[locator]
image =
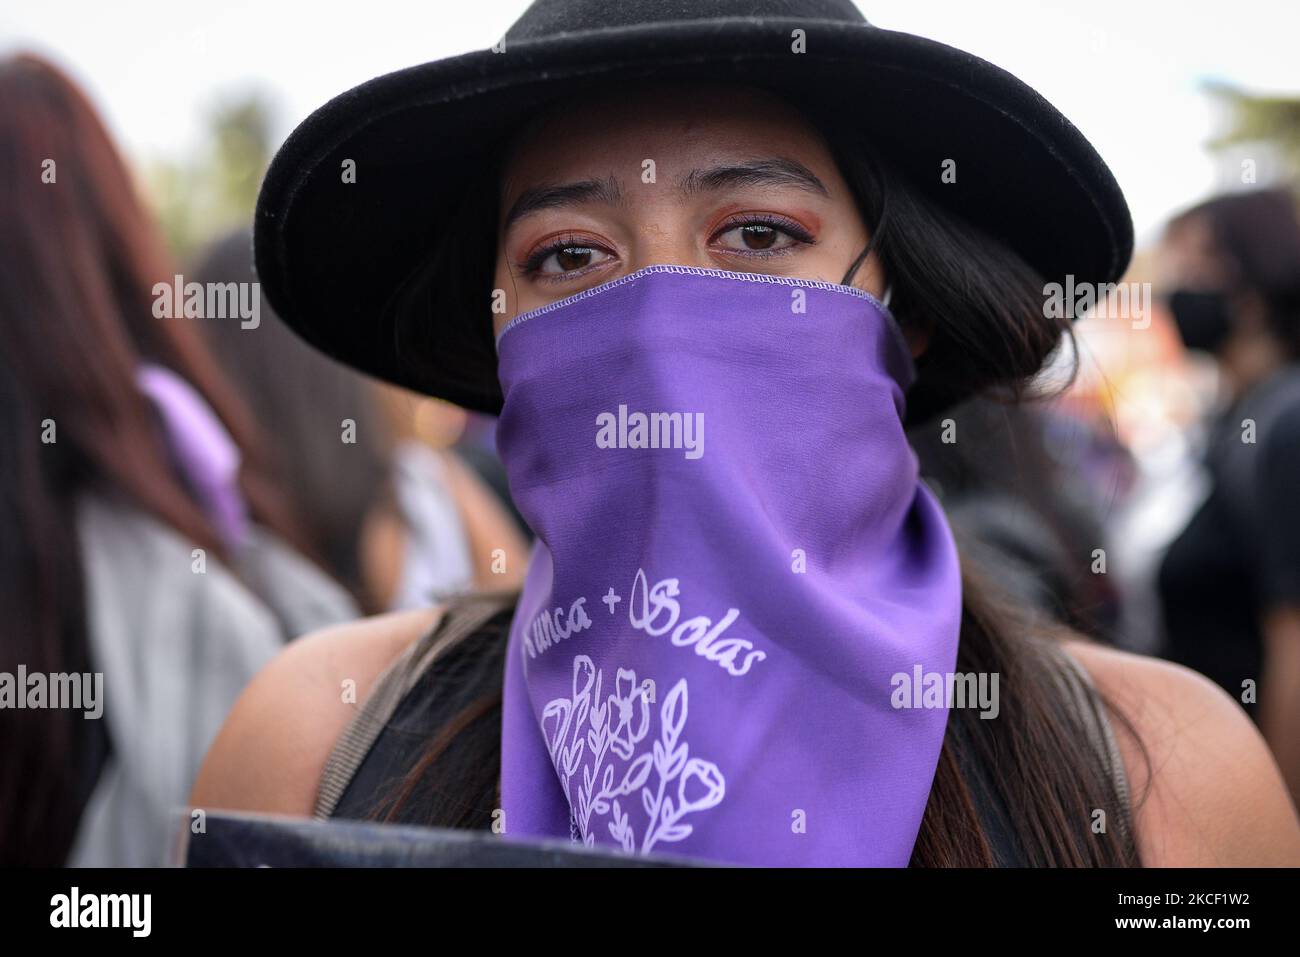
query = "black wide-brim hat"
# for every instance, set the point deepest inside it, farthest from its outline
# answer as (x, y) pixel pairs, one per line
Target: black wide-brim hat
(331, 254)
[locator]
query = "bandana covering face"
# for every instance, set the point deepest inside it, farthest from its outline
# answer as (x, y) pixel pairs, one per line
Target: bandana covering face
(735, 559)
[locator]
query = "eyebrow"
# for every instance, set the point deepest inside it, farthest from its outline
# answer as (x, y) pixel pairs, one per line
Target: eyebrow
(765, 172)
(606, 191)
(775, 171)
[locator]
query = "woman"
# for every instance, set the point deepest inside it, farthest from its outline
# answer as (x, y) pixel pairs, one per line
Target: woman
(708, 290)
(143, 539)
(1230, 583)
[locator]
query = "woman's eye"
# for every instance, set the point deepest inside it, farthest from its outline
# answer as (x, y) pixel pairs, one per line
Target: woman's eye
(758, 237)
(568, 258)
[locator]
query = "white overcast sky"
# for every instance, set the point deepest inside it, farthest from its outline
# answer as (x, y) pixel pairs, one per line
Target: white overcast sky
(1126, 72)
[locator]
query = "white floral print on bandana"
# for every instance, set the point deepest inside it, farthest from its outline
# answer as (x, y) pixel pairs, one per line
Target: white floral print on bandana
(616, 765)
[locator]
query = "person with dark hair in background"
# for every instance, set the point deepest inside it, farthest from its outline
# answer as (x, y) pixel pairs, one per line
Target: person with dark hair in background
(1230, 583)
(399, 523)
(144, 538)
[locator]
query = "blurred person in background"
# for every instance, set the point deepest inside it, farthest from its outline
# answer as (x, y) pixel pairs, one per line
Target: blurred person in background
(144, 537)
(396, 517)
(443, 487)
(1230, 583)
(477, 447)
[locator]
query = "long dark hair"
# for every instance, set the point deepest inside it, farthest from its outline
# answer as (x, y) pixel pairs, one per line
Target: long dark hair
(78, 260)
(984, 306)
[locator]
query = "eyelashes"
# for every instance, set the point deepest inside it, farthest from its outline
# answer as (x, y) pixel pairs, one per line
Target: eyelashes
(583, 253)
(533, 263)
(770, 221)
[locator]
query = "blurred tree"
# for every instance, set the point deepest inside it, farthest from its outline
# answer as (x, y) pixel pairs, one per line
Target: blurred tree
(241, 134)
(215, 191)
(1271, 119)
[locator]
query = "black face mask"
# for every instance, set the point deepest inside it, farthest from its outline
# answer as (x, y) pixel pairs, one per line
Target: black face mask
(1203, 318)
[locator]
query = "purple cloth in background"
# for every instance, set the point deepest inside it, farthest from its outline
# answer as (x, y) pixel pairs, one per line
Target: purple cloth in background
(807, 564)
(206, 455)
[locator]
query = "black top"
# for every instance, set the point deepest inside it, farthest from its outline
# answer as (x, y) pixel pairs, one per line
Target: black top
(458, 669)
(1239, 556)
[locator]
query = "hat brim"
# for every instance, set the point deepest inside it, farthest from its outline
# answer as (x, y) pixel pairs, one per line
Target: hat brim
(330, 253)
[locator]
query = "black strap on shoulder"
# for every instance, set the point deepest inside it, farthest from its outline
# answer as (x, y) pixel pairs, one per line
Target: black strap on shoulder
(462, 619)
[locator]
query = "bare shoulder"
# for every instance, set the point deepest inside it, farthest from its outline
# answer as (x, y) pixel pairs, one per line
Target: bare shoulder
(271, 751)
(1205, 787)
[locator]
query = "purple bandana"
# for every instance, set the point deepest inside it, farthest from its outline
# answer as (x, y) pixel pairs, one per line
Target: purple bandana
(706, 657)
